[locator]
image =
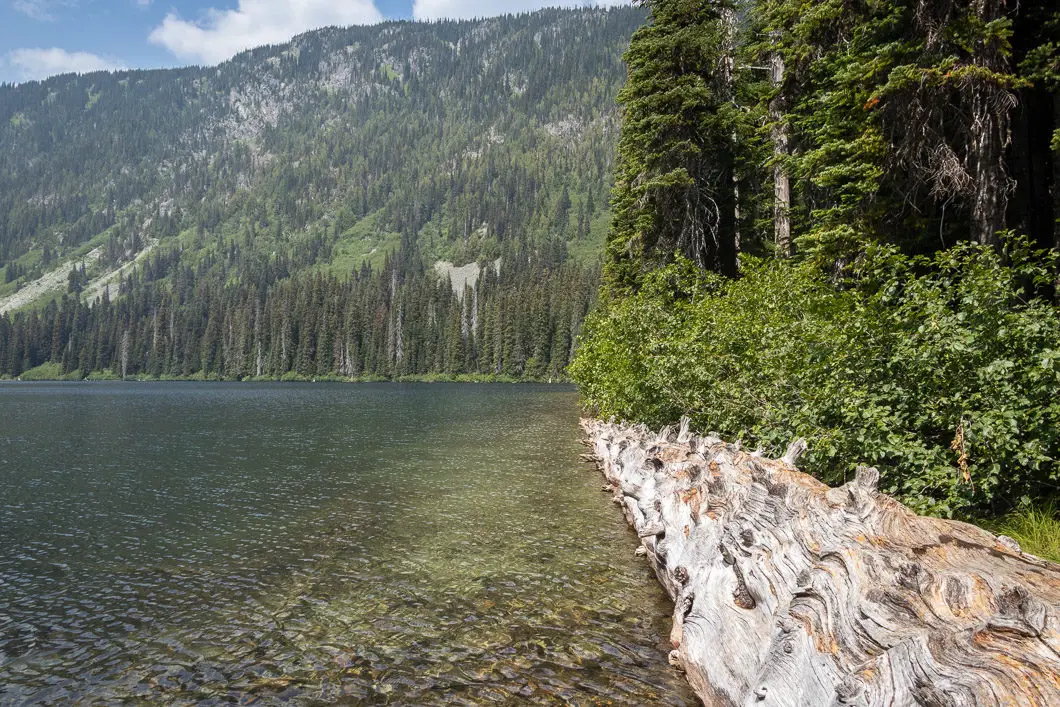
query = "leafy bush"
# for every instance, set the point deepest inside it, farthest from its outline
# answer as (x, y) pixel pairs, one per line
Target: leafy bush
(944, 373)
(44, 372)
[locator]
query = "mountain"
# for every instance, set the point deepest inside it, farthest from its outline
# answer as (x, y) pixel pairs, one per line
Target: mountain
(401, 199)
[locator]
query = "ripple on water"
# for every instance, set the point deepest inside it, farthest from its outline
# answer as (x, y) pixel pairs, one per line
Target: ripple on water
(210, 544)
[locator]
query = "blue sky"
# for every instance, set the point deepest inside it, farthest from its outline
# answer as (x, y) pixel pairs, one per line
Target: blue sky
(39, 38)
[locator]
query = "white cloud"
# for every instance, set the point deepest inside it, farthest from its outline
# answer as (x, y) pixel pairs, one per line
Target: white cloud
(468, 9)
(33, 64)
(42, 10)
(224, 33)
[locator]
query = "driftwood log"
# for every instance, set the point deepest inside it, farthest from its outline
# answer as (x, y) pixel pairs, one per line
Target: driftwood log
(789, 592)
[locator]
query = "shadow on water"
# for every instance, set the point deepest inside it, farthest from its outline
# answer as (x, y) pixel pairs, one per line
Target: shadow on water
(417, 544)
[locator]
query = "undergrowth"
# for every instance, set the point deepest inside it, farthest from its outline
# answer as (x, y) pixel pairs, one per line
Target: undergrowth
(944, 373)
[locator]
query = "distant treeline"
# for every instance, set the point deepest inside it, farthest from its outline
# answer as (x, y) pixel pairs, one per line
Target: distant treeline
(403, 320)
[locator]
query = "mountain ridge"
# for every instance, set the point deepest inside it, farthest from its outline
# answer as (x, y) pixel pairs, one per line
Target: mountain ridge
(458, 141)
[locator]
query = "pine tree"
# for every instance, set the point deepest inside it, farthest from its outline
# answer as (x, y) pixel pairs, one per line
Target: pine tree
(674, 179)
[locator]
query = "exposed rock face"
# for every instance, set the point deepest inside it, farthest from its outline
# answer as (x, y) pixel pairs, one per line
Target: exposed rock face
(788, 592)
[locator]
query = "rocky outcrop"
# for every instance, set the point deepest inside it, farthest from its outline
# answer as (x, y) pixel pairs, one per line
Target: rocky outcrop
(789, 592)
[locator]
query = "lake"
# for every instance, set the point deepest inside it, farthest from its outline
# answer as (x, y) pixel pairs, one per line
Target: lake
(186, 543)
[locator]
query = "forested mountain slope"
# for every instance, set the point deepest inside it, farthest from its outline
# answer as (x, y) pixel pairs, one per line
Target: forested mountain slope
(291, 210)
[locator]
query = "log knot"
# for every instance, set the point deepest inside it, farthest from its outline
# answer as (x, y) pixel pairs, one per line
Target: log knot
(849, 691)
(795, 451)
(747, 537)
(741, 595)
(1019, 611)
(867, 479)
(909, 576)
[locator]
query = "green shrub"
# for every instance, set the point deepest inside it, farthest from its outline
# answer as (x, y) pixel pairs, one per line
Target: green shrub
(44, 372)
(104, 375)
(942, 373)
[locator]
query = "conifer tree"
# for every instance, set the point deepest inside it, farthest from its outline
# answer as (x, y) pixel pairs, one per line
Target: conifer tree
(674, 178)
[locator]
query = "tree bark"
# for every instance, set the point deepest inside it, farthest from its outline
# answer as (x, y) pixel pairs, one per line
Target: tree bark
(989, 177)
(729, 204)
(788, 592)
(781, 185)
(989, 134)
(1055, 186)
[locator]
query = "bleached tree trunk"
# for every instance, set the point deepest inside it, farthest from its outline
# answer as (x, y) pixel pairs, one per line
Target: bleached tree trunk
(729, 247)
(474, 311)
(399, 336)
(788, 592)
(781, 184)
(124, 354)
(391, 334)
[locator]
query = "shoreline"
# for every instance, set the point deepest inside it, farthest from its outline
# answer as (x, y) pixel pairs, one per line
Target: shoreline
(430, 378)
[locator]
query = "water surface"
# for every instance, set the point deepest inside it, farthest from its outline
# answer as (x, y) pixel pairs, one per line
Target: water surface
(410, 544)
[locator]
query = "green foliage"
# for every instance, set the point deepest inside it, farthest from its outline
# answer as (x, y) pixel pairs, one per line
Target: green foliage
(899, 115)
(896, 127)
(1035, 527)
(518, 321)
(674, 178)
(887, 370)
(47, 372)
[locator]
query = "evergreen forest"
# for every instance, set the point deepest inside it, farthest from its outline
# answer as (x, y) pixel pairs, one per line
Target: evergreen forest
(839, 221)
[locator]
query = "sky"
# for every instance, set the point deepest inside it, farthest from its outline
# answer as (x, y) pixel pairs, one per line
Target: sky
(40, 38)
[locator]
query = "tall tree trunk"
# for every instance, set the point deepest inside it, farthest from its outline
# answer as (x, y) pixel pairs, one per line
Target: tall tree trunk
(781, 184)
(990, 197)
(1056, 175)
(728, 202)
(989, 136)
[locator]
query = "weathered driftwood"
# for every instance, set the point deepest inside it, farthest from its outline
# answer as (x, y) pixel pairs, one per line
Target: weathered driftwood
(788, 592)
